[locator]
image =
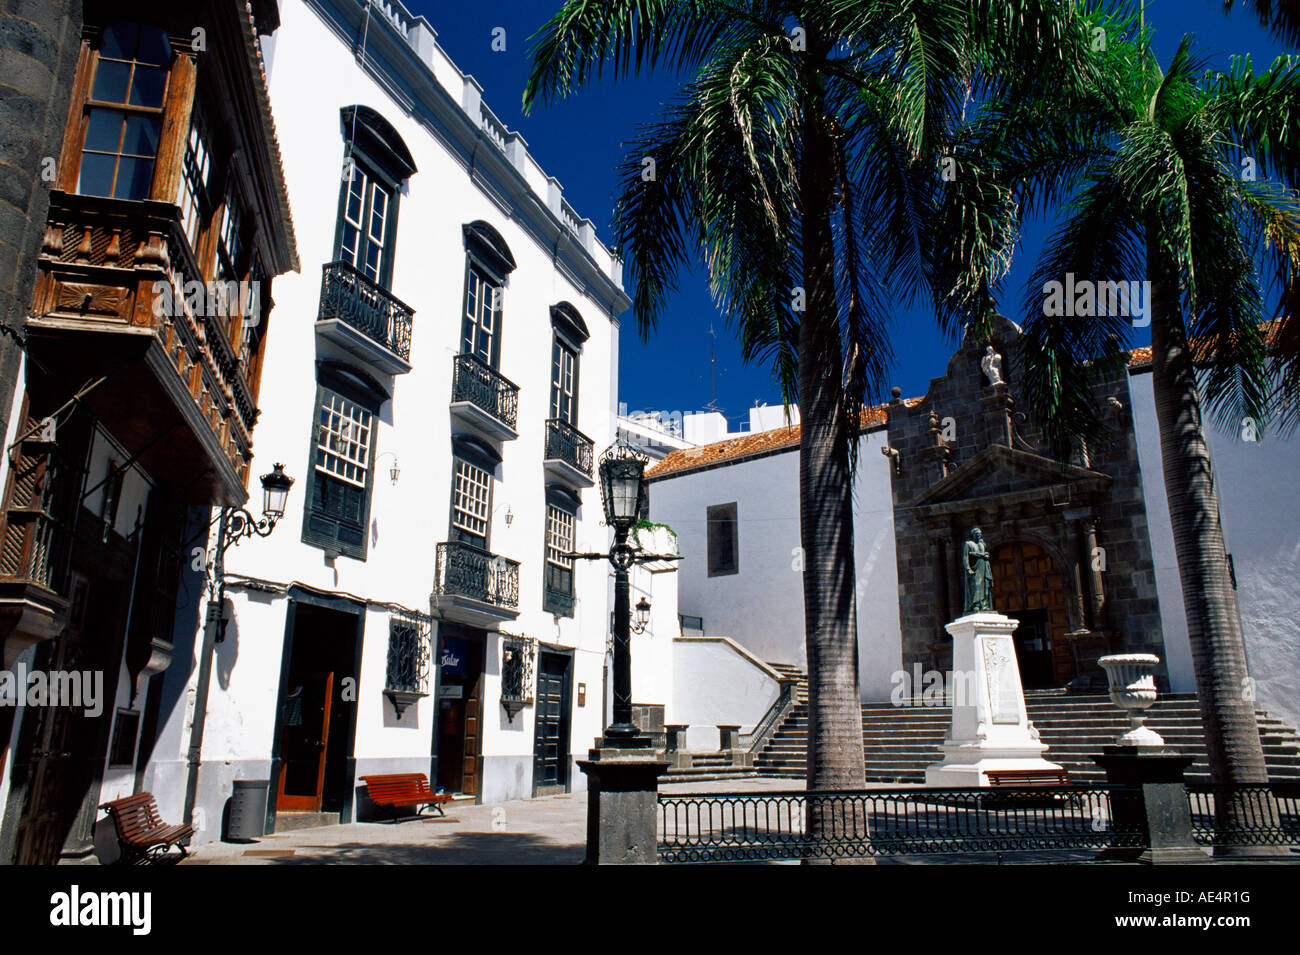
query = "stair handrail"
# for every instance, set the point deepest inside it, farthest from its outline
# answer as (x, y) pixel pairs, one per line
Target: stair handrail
(775, 715)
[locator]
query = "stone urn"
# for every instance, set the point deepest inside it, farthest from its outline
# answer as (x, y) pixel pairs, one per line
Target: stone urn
(1133, 689)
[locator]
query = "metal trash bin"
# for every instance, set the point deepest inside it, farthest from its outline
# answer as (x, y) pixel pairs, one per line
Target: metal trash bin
(248, 809)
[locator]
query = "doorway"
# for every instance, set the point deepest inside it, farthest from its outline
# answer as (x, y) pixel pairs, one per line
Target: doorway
(317, 715)
(551, 745)
(458, 737)
(1027, 586)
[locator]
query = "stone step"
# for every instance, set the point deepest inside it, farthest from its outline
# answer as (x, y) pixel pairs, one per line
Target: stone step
(293, 821)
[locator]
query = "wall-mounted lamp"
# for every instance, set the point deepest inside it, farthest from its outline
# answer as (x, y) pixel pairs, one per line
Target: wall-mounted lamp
(641, 619)
(394, 472)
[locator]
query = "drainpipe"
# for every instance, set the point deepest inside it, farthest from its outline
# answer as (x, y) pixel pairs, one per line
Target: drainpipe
(211, 628)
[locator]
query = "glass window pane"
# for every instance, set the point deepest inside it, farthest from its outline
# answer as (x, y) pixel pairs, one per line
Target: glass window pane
(134, 177)
(348, 250)
(120, 41)
(111, 81)
(356, 195)
(96, 174)
(141, 136)
(154, 47)
(372, 263)
(148, 85)
(104, 131)
(378, 210)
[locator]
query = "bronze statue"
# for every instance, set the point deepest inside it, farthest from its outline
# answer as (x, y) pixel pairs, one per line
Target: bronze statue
(978, 573)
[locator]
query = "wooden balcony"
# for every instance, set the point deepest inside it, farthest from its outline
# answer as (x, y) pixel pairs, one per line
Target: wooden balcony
(160, 370)
(364, 320)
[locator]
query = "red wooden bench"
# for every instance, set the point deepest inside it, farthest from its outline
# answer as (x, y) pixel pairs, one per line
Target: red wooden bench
(141, 833)
(397, 790)
(1028, 777)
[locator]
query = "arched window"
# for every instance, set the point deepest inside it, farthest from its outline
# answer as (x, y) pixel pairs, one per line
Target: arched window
(488, 261)
(124, 112)
(375, 164)
(566, 345)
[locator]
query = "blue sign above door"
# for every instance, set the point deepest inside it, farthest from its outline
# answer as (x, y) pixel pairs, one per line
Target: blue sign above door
(453, 655)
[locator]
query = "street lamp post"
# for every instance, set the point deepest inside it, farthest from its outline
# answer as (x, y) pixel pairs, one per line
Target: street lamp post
(623, 771)
(234, 524)
(622, 492)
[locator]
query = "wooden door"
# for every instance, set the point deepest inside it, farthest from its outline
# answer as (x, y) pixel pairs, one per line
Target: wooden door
(451, 743)
(304, 743)
(551, 745)
(473, 731)
(65, 749)
(1027, 584)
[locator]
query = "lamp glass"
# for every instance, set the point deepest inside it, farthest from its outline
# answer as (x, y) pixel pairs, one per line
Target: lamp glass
(275, 492)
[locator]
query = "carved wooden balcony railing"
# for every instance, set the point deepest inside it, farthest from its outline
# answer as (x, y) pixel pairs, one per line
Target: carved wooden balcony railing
(101, 264)
(350, 297)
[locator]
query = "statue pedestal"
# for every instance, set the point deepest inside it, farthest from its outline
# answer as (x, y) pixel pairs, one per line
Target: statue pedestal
(990, 726)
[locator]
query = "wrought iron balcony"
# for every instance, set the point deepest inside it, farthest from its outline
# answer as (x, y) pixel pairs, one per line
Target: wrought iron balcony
(475, 586)
(569, 452)
(483, 400)
(364, 319)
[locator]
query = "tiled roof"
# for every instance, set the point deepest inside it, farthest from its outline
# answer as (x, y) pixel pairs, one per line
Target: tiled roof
(752, 445)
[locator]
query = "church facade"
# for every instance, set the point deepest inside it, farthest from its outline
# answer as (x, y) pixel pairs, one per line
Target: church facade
(1081, 552)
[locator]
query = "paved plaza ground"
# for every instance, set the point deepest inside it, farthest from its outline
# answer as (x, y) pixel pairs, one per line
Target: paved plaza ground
(548, 830)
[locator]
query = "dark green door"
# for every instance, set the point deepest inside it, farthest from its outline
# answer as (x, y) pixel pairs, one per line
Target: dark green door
(551, 750)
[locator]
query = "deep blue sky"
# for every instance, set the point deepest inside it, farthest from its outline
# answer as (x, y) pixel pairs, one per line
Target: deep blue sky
(579, 142)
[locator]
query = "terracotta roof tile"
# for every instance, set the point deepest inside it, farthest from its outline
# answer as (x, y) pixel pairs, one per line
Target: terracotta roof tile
(749, 445)
(734, 449)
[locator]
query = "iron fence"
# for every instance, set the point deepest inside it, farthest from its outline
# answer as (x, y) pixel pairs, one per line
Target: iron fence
(1245, 815)
(739, 827)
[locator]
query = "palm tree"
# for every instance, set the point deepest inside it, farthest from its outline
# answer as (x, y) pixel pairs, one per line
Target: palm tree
(1180, 177)
(798, 164)
(1282, 17)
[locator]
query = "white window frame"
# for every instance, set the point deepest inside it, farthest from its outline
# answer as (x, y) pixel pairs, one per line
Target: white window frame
(343, 440)
(471, 498)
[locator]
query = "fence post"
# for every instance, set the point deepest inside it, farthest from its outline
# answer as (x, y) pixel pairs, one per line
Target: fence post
(1151, 798)
(623, 806)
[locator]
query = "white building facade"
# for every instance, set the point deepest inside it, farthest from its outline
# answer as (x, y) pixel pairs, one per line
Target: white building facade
(734, 506)
(440, 381)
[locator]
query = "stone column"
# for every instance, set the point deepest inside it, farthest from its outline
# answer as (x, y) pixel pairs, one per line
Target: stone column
(623, 806)
(1150, 799)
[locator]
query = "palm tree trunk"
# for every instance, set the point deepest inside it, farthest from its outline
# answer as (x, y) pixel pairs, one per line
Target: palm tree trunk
(1209, 598)
(835, 755)
(1213, 623)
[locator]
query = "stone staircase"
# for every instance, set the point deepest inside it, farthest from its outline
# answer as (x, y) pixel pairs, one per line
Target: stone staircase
(901, 741)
